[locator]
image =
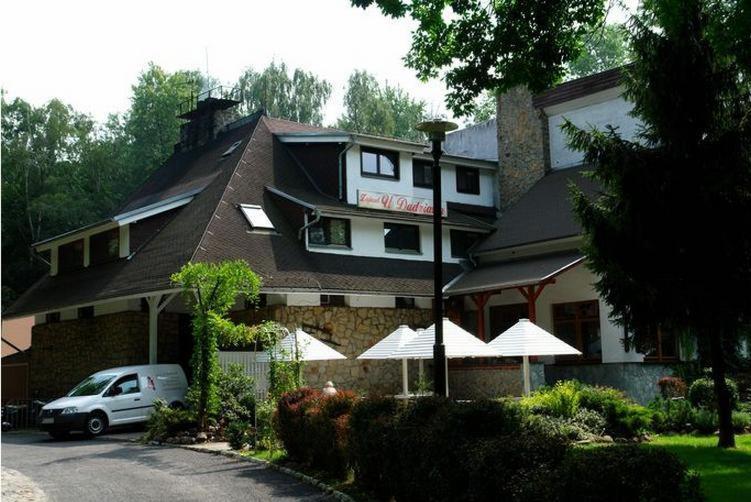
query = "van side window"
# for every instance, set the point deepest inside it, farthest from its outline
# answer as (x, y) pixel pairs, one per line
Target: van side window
(126, 385)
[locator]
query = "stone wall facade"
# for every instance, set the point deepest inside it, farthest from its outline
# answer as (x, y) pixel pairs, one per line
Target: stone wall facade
(64, 353)
(350, 331)
(522, 152)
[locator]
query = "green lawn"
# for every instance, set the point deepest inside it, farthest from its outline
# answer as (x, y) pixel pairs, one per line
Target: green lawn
(725, 474)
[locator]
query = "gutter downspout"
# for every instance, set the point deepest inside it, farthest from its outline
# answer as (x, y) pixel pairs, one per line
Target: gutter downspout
(350, 144)
(317, 218)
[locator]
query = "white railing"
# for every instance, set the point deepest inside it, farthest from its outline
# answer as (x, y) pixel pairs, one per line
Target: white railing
(252, 366)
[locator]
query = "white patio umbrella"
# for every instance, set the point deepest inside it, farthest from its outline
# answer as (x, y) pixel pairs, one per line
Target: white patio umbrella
(301, 346)
(458, 343)
(385, 349)
(526, 339)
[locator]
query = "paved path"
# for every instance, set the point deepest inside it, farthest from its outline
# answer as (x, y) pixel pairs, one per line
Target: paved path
(80, 470)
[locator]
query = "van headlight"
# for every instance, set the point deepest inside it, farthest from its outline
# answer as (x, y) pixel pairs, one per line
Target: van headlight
(69, 410)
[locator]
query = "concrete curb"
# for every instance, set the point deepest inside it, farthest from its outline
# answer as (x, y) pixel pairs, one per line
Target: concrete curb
(341, 496)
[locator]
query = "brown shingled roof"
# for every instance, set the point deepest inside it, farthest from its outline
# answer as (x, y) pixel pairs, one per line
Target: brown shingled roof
(212, 228)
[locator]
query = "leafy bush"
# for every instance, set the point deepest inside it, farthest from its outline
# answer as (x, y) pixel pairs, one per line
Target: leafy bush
(624, 418)
(370, 432)
(290, 421)
(560, 400)
(238, 434)
(589, 421)
(626, 473)
(566, 399)
(671, 415)
(327, 429)
(741, 421)
(236, 392)
(436, 449)
(702, 394)
(265, 433)
(671, 386)
(705, 420)
(165, 421)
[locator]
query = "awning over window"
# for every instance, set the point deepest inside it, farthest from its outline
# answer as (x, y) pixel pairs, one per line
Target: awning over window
(512, 274)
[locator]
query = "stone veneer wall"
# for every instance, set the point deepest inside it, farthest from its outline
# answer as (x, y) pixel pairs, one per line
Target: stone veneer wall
(522, 145)
(352, 331)
(492, 382)
(637, 380)
(66, 352)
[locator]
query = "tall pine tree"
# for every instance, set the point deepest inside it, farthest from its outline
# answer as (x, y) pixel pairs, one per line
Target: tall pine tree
(670, 235)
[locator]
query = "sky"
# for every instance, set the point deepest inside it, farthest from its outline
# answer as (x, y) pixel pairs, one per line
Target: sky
(89, 53)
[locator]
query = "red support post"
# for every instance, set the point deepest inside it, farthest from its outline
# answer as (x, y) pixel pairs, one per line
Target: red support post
(480, 300)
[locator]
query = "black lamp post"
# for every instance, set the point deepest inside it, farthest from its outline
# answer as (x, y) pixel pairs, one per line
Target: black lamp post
(436, 131)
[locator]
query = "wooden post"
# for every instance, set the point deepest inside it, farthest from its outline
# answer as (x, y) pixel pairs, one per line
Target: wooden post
(480, 300)
(156, 304)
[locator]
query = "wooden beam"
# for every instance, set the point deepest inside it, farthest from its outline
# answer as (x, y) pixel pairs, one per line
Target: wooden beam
(480, 300)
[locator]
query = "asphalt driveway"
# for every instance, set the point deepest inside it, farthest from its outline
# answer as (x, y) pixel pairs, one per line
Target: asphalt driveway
(80, 470)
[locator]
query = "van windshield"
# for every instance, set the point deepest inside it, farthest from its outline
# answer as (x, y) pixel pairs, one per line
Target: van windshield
(91, 386)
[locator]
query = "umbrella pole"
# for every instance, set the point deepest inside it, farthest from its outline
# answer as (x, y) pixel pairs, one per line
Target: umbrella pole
(525, 370)
(405, 378)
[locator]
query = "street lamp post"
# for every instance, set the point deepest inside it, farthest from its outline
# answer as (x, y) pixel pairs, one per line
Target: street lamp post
(436, 131)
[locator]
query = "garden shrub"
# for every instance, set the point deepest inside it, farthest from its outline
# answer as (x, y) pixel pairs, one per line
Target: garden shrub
(371, 443)
(590, 421)
(705, 420)
(238, 434)
(265, 433)
(290, 421)
(671, 387)
(624, 418)
(626, 473)
(560, 400)
(326, 425)
(741, 421)
(165, 421)
(702, 394)
(671, 415)
(236, 392)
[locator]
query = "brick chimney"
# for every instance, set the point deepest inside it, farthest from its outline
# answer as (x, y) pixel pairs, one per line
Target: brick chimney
(522, 140)
(206, 115)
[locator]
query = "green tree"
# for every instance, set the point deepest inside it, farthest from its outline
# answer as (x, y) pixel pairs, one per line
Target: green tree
(604, 48)
(497, 45)
(669, 237)
(55, 177)
(213, 288)
(485, 107)
(151, 123)
(384, 110)
(300, 97)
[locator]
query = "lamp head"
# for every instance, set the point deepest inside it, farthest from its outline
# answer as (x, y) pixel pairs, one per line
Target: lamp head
(436, 129)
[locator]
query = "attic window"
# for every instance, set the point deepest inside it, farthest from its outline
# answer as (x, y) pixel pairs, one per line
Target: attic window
(256, 217)
(232, 148)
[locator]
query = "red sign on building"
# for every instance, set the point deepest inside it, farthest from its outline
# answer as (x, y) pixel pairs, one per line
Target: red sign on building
(396, 202)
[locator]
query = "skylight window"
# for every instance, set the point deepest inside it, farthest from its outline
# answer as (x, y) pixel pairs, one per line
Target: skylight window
(232, 148)
(256, 217)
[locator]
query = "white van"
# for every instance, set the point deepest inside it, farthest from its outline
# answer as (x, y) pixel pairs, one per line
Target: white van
(116, 396)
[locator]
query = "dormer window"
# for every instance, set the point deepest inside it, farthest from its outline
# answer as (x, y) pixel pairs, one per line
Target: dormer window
(70, 256)
(256, 216)
(104, 247)
(379, 163)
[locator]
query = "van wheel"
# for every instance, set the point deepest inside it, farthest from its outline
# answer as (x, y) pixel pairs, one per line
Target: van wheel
(177, 405)
(59, 435)
(96, 423)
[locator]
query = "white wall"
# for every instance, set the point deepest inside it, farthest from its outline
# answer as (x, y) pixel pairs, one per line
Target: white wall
(404, 184)
(572, 286)
(367, 240)
(596, 111)
(370, 301)
(304, 299)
